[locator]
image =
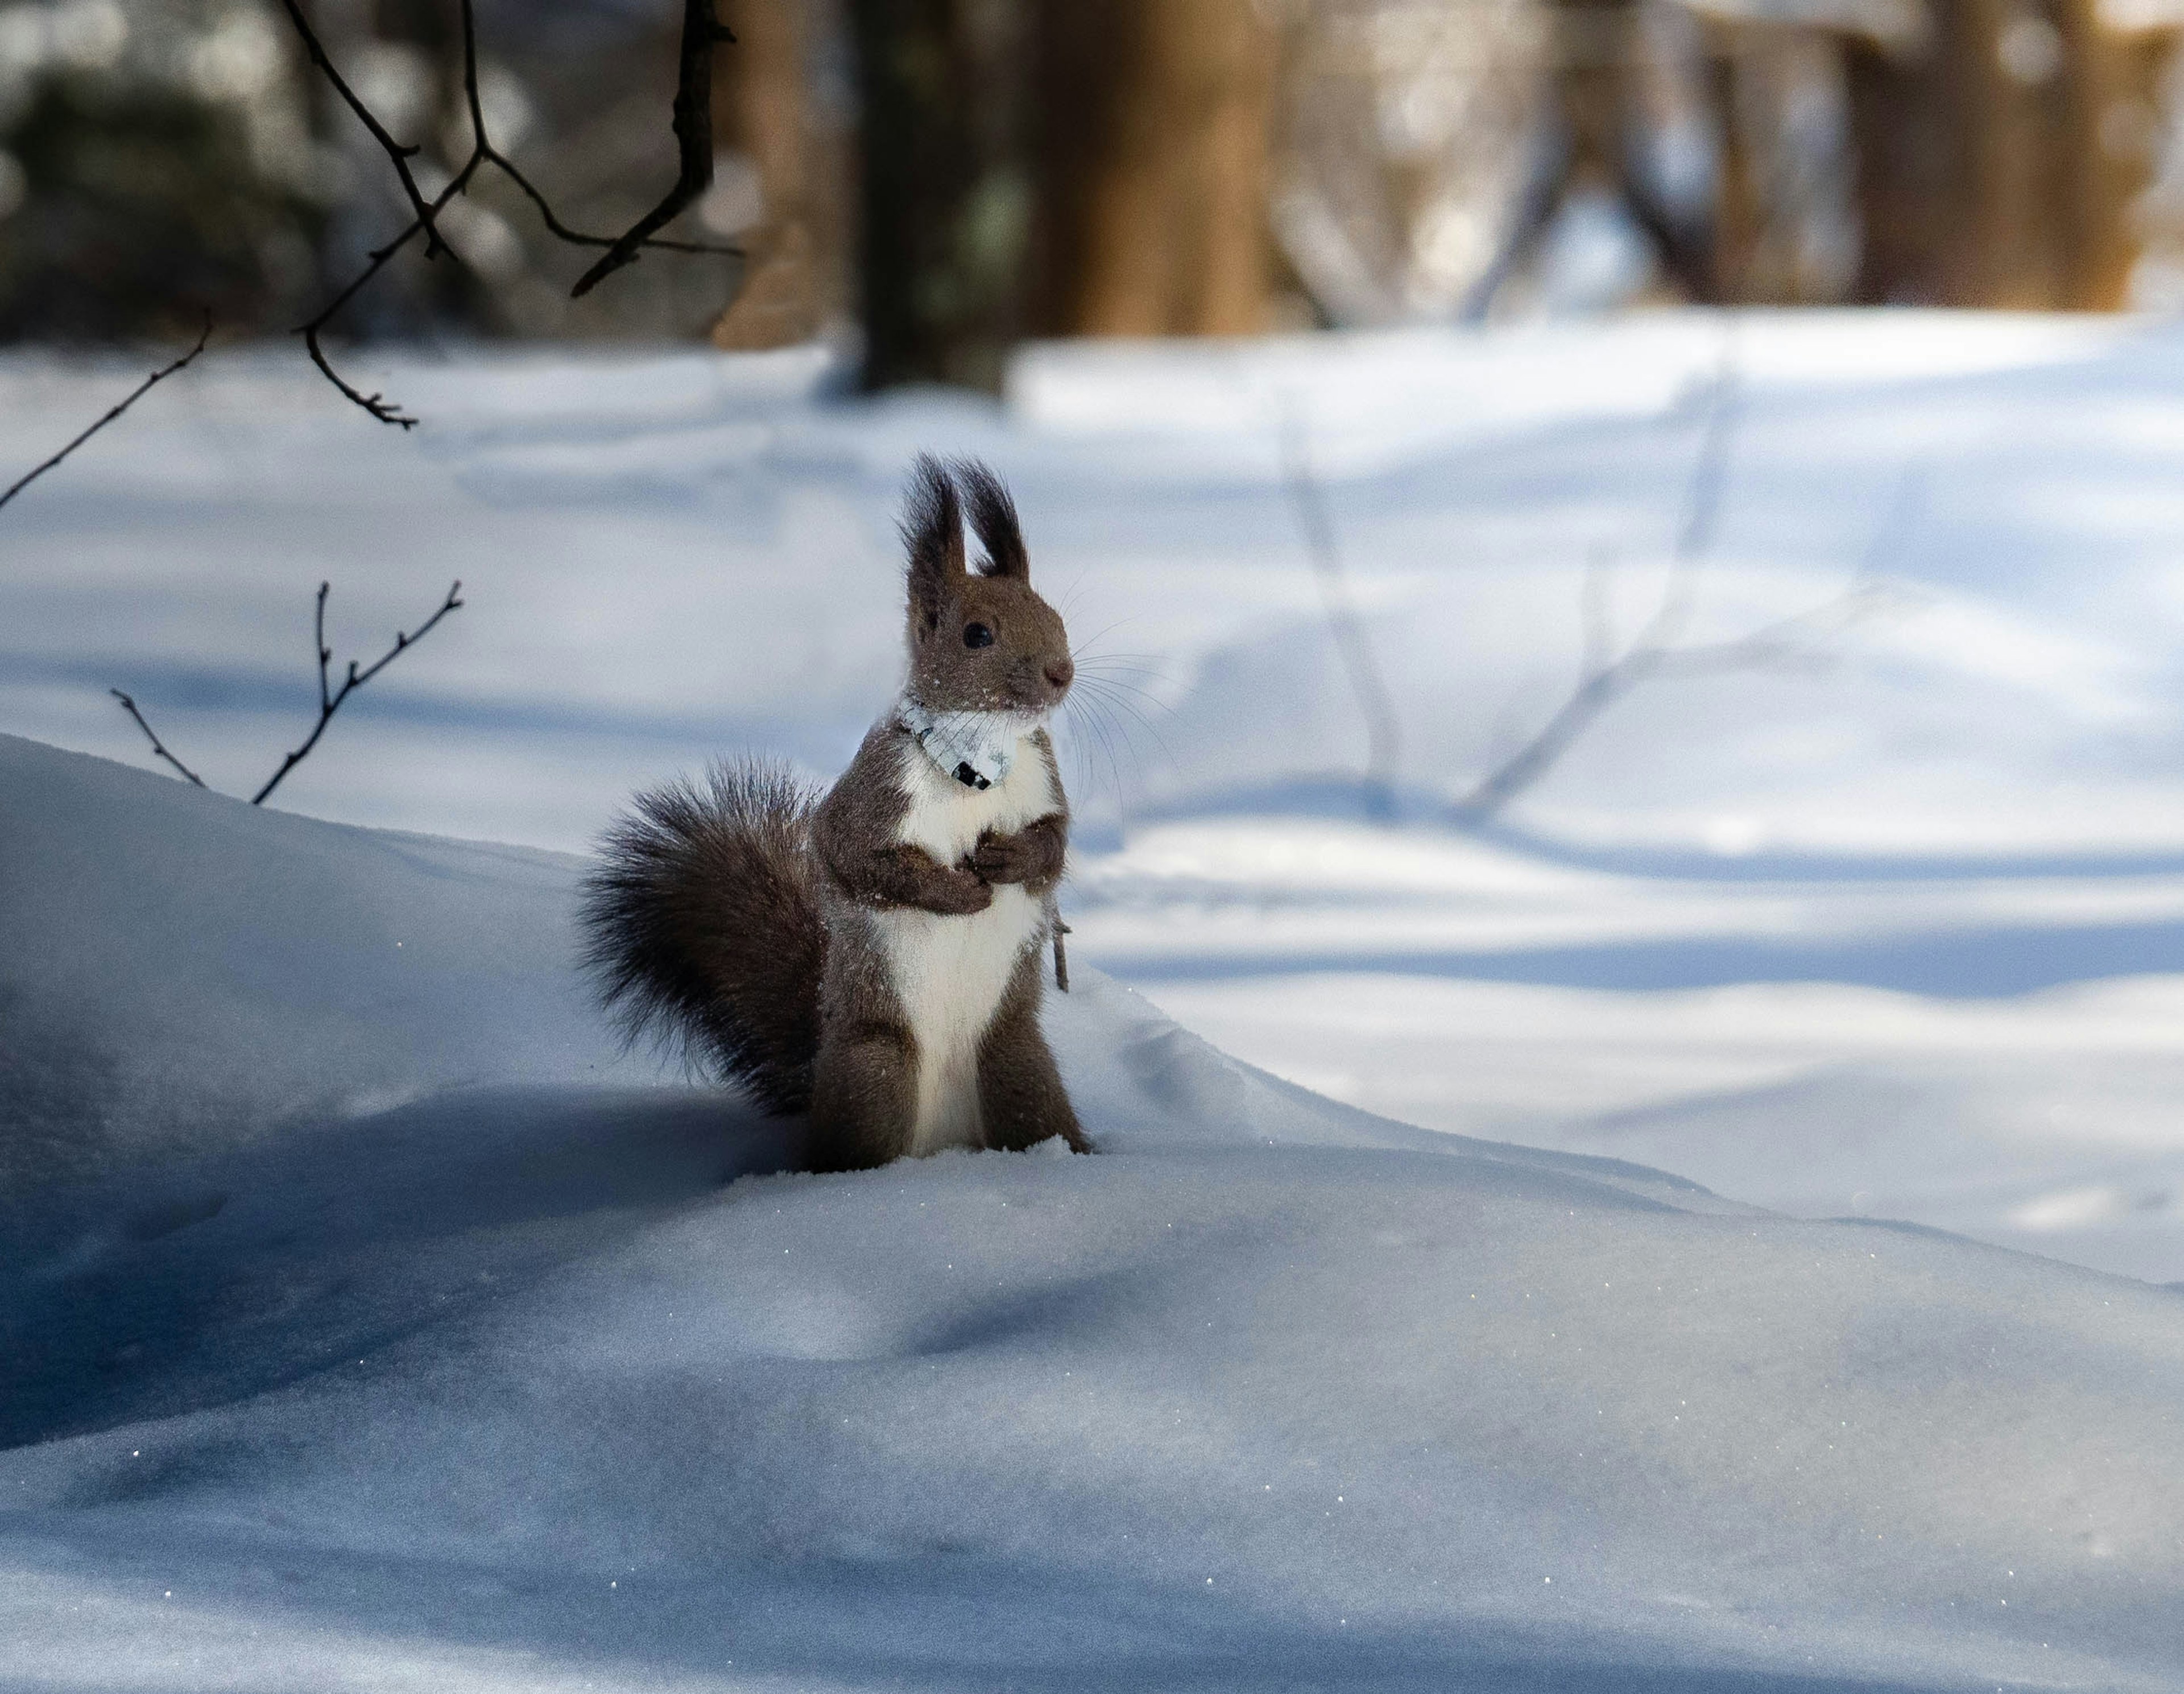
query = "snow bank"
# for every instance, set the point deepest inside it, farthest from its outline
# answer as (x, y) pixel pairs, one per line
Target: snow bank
(181, 969)
(412, 1340)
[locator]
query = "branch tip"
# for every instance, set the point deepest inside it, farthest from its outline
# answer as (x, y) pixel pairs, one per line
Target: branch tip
(135, 394)
(159, 747)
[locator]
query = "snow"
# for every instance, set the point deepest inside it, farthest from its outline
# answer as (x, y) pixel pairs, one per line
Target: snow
(537, 1379)
(372, 1321)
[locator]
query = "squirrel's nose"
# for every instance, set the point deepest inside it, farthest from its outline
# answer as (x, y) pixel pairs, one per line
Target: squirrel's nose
(1061, 672)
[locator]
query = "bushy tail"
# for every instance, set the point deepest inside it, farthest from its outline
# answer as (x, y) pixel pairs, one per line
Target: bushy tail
(702, 927)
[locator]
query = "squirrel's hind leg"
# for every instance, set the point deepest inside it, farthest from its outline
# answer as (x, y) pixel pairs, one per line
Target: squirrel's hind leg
(864, 1097)
(1021, 1099)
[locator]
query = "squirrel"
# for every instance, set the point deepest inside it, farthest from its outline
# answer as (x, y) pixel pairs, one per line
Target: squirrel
(874, 957)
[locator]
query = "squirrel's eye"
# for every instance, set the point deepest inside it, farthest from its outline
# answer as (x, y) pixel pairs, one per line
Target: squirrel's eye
(978, 635)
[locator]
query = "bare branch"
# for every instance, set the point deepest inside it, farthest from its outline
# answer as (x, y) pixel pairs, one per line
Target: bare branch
(693, 126)
(1709, 481)
(329, 704)
(159, 746)
(561, 231)
(1795, 639)
(325, 652)
(1382, 733)
(136, 394)
(399, 154)
(374, 402)
(330, 698)
(484, 151)
(1523, 767)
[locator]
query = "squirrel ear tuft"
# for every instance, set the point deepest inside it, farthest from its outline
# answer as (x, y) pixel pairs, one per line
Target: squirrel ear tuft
(993, 515)
(932, 531)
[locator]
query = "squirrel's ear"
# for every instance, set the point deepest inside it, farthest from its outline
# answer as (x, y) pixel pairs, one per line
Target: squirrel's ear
(993, 515)
(933, 530)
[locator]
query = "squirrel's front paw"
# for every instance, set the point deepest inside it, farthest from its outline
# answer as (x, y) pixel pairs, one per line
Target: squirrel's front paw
(959, 893)
(1002, 858)
(1031, 854)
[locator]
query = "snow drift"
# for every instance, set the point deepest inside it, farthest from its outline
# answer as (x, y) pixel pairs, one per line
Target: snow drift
(369, 1323)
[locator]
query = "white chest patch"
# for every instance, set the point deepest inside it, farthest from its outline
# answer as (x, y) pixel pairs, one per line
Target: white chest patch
(951, 971)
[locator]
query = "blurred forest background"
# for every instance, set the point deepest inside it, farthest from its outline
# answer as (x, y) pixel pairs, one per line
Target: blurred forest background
(940, 179)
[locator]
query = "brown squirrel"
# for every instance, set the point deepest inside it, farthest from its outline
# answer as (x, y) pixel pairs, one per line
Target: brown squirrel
(874, 957)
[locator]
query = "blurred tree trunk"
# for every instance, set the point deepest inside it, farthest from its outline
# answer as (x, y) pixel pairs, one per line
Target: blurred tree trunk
(1739, 211)
(941, 193)
(1915, 177)
(778, 178)
(1151, 160)
(1997, 165)
(2113, 116)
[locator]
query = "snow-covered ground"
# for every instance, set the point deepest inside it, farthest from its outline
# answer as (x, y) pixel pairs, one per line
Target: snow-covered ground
(439, 1348)
(1888, 927)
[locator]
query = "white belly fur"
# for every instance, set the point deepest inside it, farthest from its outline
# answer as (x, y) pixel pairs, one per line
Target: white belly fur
(950, 971)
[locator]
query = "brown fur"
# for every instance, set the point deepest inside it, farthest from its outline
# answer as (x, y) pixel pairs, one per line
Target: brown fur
(703, 927)
(1032, 856)
(1022, 1101)
(744, 920)
(866, 1072)
(854, 832)
(1028, 667)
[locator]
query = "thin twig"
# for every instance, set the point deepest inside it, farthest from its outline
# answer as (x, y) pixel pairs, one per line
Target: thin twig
(1382, 733)
(330, 698)
(136, 394)
(693, 134)
(1709, 480)
(331, 702)
(374, 402)
(399, 154)
(1794, 638)
(159, 746)
(1592, 696)
(692, 124)
(556, 228)
(1703, 494)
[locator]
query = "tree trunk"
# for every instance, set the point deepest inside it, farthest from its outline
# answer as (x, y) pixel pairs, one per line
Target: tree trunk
(789, 167)
(1998, 167)
(2112, 112)
(941, 195)
(1151, 160)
